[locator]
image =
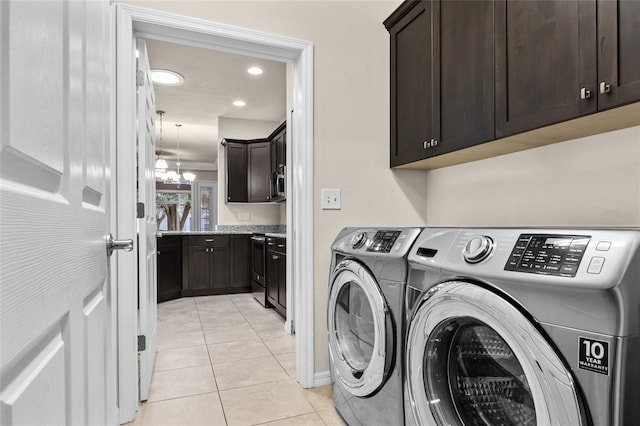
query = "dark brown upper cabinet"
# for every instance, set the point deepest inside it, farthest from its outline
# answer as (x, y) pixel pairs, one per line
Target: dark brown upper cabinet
(495, 74)
(237, 188)
(618, 52)
(259, 169)
(545, 63)
(574, 59)
(255, 168)
(442, 75)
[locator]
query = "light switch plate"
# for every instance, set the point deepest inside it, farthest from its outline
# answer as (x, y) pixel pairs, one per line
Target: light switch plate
(330, 199)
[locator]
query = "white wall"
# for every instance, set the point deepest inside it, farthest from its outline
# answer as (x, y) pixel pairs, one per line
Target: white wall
(243, 214)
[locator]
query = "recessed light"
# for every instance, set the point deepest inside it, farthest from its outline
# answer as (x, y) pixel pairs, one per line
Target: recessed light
(255, 70)
(239, 103)
(166, 77)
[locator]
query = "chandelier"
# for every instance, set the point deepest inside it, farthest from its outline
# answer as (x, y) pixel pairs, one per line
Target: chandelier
(171, 176)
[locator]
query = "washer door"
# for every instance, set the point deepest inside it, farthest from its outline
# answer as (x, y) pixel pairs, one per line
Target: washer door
(360, 329)
(474, 359)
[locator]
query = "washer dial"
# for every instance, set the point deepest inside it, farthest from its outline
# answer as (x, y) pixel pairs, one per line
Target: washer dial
(358, 239)
(478, 249)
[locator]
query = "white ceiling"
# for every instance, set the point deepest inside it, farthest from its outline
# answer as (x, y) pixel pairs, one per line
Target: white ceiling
(212, 81)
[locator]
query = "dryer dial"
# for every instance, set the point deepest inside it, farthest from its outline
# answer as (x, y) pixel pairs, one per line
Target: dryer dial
(358, 239)
(478, 249)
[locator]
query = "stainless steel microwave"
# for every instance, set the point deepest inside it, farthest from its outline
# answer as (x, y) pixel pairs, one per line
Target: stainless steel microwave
(279, 180)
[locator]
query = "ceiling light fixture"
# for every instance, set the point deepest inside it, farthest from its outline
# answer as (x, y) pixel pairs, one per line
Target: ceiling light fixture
(166, 77)
(255, 70)
(239, 103)
(161, 163)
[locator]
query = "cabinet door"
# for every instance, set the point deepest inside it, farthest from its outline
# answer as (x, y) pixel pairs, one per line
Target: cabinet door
(618, 52)
(282, 282)
(240, 259)
(219, 257)
(281, 150)
(199, 267)
(236, 172)
(466, 56)
(271, 275)
(259, 164)
(545, 55)
(169, 268)
(412, 91)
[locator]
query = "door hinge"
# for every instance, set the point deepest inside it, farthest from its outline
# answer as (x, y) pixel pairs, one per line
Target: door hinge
(139, 78)
(142, 343)
(140, 209)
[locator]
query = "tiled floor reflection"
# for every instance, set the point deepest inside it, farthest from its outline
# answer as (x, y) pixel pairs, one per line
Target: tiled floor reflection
(226, 360)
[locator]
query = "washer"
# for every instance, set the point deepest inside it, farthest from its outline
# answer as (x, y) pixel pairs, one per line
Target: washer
(366, 323)
(523, 327)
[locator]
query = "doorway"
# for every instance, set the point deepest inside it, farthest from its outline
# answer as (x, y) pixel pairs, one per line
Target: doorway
(132, 22)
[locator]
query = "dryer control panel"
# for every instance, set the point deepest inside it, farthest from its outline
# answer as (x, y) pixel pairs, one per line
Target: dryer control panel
(548, 254)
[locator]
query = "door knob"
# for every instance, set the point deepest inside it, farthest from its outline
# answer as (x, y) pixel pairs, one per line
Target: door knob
(126, 245)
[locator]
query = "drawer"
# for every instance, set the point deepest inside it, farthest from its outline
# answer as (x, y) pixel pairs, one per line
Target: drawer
(277, 244)
(217, 240)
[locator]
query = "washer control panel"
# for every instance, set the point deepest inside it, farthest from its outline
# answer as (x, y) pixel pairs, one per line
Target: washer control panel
(548, 254)
(383, 241)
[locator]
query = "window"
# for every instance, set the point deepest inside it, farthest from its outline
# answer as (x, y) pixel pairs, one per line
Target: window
(173, 210)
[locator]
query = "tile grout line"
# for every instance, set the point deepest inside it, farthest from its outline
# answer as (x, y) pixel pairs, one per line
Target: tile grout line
(262, 340)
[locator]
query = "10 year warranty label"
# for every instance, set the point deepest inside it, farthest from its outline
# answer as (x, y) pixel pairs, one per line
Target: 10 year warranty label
(593, 355)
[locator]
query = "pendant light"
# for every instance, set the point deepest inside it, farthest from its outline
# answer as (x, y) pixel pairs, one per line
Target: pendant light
(178, 139)
(161, 163)
(188, 176)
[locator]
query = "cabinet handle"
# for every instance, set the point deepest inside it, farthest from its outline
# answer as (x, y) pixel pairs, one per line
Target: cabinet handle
(209, 240)
(584, 93)
(426, 144)
(434, 142)
(281, 245)
(604, 87)
(274, 257)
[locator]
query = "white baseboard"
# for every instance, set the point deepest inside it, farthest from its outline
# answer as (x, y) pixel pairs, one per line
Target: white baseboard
(322, 378)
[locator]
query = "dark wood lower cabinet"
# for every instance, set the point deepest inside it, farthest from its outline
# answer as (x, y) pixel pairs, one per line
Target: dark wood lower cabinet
(207, 263)
(276, 274)
(200, 265)
(169, 267)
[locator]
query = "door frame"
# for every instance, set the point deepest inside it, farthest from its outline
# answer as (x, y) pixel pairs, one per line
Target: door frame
(132, 21)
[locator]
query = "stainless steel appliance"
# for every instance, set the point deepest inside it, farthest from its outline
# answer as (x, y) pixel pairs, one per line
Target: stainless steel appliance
(366, 323)
(523, 327)
(258, 283)
(279, 184)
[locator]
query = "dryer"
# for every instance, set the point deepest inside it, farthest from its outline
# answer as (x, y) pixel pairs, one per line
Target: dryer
(367, 283)
(523, 327)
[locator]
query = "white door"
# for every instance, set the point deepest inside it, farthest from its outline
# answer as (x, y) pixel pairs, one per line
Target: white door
(147, 253)
(57, 362)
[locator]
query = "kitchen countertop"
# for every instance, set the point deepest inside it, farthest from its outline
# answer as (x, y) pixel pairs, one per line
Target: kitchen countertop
(269, 230)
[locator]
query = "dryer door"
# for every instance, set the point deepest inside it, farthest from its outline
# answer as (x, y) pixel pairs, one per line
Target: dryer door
(474, 359)
(360, 329)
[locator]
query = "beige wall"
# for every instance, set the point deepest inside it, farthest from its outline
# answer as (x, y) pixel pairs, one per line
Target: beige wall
(593, 181)
(590, 182)
(243, 214)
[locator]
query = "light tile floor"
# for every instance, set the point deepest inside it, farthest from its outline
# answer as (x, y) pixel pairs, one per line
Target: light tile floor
(226, 360)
